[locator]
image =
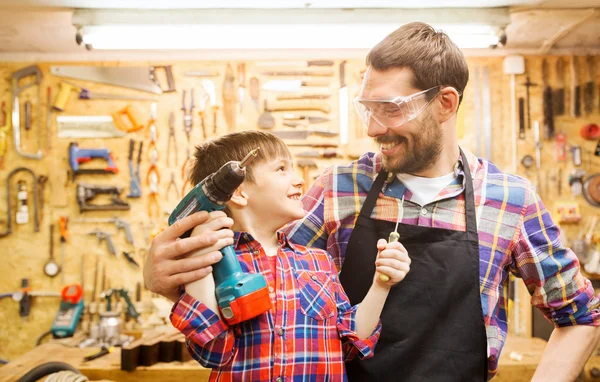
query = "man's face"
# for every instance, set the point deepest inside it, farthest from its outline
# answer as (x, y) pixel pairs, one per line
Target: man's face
(275, 193)
(413, 146)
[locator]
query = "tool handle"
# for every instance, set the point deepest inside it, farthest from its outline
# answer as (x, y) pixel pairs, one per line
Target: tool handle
(242, 74)
(128, 235)
(62, 226)
(139, 158)
(126, 120)
(227, 266)
(52, 241)
(110, 245)
(320, 63)
(27, 115)
(170, 79)
(394, 237)
(64, 92)
(343, 74)
(131, 147)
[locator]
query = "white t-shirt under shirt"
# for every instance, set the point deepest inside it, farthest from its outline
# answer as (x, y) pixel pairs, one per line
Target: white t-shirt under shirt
(425, 189)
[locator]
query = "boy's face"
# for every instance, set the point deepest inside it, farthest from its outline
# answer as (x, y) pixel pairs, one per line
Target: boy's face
(276, 192)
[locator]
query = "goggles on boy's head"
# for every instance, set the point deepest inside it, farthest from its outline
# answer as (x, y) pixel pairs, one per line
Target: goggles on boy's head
(395, 112)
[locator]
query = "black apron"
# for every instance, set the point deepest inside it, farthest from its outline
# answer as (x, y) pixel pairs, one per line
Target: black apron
(432, 322)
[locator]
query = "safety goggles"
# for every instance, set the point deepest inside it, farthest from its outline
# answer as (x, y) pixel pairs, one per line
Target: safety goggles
(395, 112)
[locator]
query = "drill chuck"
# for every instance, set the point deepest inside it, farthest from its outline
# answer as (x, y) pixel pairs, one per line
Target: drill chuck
(220, 186)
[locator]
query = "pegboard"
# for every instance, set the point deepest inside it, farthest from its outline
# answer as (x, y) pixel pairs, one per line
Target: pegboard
(26, 252)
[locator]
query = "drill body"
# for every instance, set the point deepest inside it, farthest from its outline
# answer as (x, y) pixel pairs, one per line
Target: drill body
(240, 296)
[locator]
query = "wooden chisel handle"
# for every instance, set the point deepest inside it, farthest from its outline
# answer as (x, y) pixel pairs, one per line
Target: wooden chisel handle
(298, 107)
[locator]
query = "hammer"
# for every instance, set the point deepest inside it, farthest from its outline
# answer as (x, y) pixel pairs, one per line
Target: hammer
(306, 165)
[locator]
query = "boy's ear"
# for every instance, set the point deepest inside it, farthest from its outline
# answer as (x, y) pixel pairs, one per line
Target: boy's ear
(239, 197)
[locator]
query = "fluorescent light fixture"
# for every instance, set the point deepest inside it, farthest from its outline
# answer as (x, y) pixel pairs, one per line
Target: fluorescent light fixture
(271, 36)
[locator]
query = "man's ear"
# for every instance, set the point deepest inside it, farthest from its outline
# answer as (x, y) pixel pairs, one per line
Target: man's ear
(449, 100)
(239, 197)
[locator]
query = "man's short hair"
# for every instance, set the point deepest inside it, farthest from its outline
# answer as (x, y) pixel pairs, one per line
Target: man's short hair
(431, 56)
(213, 154)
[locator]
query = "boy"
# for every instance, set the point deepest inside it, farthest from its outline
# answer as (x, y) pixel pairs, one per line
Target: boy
(311, 329)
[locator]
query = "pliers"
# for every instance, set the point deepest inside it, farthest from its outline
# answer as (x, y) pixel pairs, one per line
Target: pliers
(171, 139)
(173, 185)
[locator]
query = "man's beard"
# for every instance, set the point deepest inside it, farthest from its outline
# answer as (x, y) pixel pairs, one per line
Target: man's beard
(422, 153)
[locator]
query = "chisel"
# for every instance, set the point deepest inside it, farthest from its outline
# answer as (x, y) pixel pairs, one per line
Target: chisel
(559, 94)
(294, 73)
(300, 64)
(576, 89)
(588, 89)
(547, 103)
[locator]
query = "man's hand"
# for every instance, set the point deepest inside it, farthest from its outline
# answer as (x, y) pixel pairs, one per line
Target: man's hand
(170, 263)
(392, 261)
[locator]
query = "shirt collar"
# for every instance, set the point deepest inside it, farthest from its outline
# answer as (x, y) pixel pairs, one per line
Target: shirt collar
(244, 238)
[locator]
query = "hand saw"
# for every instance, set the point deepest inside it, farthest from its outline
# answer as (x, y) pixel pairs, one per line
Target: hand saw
(139, 78)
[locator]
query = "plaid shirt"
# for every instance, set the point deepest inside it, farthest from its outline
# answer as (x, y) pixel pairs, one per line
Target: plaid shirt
(516, 234)
(306, 336)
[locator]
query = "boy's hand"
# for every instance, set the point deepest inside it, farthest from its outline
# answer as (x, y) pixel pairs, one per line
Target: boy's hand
(392, 261)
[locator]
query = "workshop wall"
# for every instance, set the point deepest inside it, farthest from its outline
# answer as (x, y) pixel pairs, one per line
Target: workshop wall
(26, 252)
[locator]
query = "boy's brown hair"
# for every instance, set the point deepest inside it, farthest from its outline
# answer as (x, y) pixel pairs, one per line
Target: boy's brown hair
(213, 154)
(432, 57)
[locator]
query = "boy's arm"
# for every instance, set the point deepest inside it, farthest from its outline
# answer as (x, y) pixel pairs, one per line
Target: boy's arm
(348, 326)
(196, 315)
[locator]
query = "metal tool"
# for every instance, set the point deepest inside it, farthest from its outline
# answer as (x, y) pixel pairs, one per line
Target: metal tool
(559, 93)
(17, 76)
(78, 156)
(588, 87)
(306, 165)
(188, 118)
(284, 97)
(106, 237)
(301, 64)
(343, 105)
(255, 93)
(129, 257)
(521, 118)
(561, 147)
(22, 214)
(51, 268)
(576, 153)
(135, 187)
(62, 229)
(27, 115)
(172, 139)
(173, 185)
(240, 296)
(291, 106)
(36, 222)
(81, 127)
(292, 85)
(87, 192)
(528, 84)
(49, 119)
(23, 297)
(41, 182)
(4, 127)
(305, 118)
(547, 103)
(229, 99)
(266, 119)
(394, 236)
(575, 89)
(538, 144)
(297, 73)
(65, 89)
(152, 181)
(119, 223)
(241, 84)
(201, 73)
(303, 134)
(139, 78)
(209, 88)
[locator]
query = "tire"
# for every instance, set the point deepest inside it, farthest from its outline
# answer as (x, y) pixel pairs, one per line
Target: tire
(46, 369)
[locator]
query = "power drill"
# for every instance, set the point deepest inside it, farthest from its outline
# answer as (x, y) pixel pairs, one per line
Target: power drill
(240, 296)
(78, 156)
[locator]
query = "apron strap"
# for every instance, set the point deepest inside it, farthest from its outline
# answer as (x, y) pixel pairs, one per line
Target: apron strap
(373, 195)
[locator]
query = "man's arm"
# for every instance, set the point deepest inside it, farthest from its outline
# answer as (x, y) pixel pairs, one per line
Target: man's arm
(566, 353)
(168, 265)
(566, 298)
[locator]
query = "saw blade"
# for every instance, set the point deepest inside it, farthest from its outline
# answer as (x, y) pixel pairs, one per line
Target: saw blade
(87, 127)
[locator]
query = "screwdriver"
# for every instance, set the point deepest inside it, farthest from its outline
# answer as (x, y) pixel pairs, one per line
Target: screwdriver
(394, 235)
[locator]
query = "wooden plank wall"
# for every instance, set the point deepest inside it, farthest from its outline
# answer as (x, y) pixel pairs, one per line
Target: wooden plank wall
(25, 253)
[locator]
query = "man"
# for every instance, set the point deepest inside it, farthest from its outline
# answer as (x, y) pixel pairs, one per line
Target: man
(464, 223)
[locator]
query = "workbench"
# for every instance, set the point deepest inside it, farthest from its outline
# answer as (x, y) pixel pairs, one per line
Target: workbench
(108, 367)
